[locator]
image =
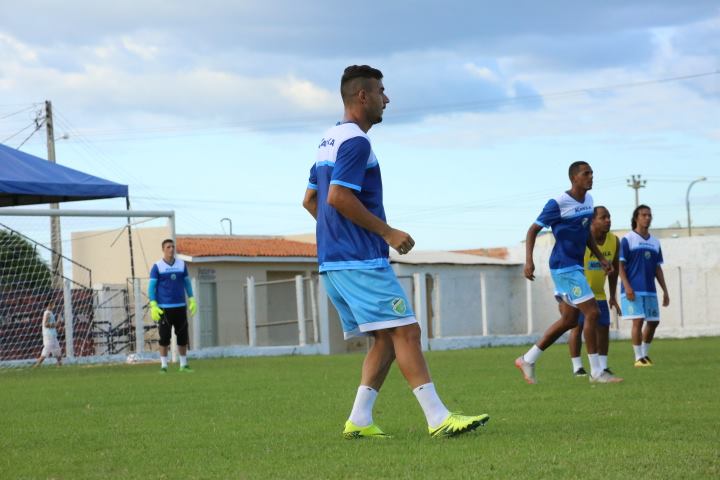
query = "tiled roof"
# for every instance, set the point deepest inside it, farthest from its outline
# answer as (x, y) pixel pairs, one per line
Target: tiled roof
(234, 246)
(499, 252)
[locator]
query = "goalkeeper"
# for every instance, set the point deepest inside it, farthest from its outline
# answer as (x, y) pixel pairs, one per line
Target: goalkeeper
(169, 282)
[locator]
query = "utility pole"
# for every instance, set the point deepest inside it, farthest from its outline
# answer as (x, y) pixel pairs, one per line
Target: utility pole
(55, 237)
(636, 184)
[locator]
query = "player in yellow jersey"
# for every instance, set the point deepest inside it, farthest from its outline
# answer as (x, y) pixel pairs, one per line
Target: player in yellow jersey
(609, 245)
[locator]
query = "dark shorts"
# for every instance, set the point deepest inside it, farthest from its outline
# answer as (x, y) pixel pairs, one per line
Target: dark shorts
(604, 320)
(176, 318)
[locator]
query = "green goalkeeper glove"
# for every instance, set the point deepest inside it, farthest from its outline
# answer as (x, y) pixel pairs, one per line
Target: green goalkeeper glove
(192, 305)
(155, 311)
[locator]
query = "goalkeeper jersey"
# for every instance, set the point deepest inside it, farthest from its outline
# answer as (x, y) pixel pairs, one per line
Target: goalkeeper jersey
(168, 284)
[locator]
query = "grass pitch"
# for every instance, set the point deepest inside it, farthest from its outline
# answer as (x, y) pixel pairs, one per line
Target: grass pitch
(282, 418)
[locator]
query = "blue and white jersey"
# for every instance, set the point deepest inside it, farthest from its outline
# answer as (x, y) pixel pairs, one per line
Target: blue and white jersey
(570, 223)
(641, 257)
(168, 284)
(345, 158)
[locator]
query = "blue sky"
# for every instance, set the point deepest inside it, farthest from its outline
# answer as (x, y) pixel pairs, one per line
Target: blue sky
(214, 109)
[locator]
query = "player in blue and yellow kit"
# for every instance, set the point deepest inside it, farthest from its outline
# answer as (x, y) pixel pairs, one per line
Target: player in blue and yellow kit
(609, 245)
(345, 196)
(569, 217)
(169, 282)
(640, 264)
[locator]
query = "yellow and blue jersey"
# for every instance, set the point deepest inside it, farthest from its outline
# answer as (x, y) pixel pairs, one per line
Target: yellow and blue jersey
(593, 269)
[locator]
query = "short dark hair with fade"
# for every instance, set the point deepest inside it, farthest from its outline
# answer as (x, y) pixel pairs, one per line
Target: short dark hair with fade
(574, 167)
(355, 77)
(597, 209)
(166, 241)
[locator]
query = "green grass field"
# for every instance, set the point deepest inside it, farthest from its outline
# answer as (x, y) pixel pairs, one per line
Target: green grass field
(282, 418)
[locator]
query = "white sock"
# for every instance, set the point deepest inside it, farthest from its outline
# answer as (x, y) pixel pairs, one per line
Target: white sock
(645, 349)
(595, 369)
(183, 360)
(577, 363)
(435, 410)
(603, 361)
(638, 352)
(163, 361)
(361, 414)
(532, 355)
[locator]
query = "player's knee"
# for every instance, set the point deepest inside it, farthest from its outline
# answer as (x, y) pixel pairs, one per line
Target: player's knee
(408, 333)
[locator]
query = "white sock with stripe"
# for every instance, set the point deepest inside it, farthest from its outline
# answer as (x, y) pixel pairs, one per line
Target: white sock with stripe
(645, 349)
(434, 409)
(577, 363)
(638, 352)
(361, 414)
(595, 369)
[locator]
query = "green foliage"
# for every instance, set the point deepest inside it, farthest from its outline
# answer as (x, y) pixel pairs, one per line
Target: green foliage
(20, 264)
(282, 418)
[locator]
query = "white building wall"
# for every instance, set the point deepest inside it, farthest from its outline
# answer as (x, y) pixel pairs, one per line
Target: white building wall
(692, 275)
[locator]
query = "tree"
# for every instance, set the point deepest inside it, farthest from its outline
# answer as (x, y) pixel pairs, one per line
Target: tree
(20, 264)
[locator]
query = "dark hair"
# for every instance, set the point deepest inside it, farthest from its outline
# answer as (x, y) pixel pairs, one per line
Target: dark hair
(166, 241)
(596, 209)
(636, 212)
(354, 78)
(574, 167)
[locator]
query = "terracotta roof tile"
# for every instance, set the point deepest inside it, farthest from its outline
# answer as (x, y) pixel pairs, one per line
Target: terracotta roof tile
(221, 246)
(498, 252)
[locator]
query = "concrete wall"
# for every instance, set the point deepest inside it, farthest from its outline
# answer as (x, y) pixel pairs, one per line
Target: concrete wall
(107, 253)
(692, 275)
(456, 303)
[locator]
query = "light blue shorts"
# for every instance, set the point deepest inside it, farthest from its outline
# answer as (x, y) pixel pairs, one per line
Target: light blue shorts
(644, 306)
(571, 287)
(368, 300)
(604, 320)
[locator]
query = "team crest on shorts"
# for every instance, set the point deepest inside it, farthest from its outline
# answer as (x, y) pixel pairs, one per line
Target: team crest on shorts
(398, 306)
(576, 291)
(631, 309)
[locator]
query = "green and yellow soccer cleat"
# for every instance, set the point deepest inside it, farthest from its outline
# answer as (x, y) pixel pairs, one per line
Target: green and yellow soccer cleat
(352, 431)
(457, 424)
(163, 370)
(186, 369)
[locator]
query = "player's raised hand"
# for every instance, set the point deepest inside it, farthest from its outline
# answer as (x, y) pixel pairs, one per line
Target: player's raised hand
(399, 240)
(529, 270)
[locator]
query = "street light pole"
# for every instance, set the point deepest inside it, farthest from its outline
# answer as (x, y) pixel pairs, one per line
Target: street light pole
(636, 184)
(687, 202)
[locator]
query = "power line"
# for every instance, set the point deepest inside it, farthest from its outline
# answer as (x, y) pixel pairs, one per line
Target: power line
(38, 127)
(273, 124)
(19, 132)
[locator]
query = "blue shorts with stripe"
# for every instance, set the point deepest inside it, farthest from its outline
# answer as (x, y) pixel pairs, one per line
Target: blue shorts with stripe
(368, 300)
(644, 307)
(571, 287)
(604, 319)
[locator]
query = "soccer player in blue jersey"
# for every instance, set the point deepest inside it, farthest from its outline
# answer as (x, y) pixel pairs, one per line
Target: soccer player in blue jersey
(169, 282)
(345, 197)
(640, 264)
(569, 216)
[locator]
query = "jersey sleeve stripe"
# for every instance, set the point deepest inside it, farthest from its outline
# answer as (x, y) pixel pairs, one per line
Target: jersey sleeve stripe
(346, 184)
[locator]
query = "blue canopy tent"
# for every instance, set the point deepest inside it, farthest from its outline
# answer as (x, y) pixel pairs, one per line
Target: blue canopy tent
(28, 180)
